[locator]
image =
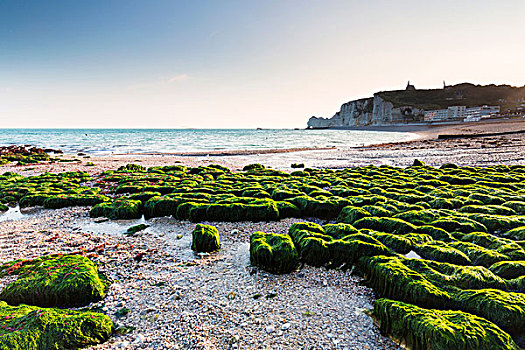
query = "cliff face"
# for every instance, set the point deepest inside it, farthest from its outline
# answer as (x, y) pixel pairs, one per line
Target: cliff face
(408, 106)
(364, 112)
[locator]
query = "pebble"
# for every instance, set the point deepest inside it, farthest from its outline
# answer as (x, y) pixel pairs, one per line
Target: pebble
(139, 339)
(270, 329)
(122, 344)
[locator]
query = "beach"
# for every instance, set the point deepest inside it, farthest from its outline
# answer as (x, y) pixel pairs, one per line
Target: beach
(181, 300)
(425, 146)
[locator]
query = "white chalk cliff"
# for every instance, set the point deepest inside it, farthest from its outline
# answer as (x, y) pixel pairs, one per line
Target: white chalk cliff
(373, 111)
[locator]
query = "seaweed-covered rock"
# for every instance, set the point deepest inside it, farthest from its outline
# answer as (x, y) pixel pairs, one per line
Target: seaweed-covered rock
(348, 250)
(455, 224)
(390, 278)
(320, 206)
(144, 196)
(161, 206)
(351, 214)
(517, 206)
(132, 168)
(398, 243)
(287, 210)
(440, 251)
(273, 252)
(308, 226)
(340, 230)
(390, 225)
(450, 275)
(54, 281)
(136, 228)
(479, 255)
(71, 200)
(506, 309)
(509, 269)
(120, 209)
(423, 329)
(205, 238)
(436, 233)
(488, 209)
(29, 327)
(517, 233)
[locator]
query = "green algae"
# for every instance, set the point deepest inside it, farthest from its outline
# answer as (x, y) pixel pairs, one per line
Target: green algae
(205, 238)
(390, 225)
(351, 214)
(506, 309)
(120, 209)
(422, 329)
(517, 233)
(273, 252)
(53, 281)
(390, 278)
(28, 327)
(440, 251)
(508, 269)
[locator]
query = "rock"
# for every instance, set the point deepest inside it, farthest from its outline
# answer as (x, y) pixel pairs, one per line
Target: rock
(122, 345)
(270, 329)
(139, 339)
(285, 326)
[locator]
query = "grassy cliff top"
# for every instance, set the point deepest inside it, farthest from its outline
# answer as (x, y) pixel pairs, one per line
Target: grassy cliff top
(466, 94)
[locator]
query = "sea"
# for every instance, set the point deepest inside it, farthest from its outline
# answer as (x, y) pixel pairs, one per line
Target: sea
(134, 141)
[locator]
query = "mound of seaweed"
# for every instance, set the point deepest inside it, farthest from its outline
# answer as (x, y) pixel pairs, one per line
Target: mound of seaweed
(205, 238)
(423, 329)
(273, 252)
(53, 281)
(466, 223)
(29, 327)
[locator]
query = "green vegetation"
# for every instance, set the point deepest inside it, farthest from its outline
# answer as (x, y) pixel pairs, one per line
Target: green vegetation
(53, 281)
(29, 327)
(205, 238)
(466, 225)
(423, 329)
(273, 252)
(466, 94)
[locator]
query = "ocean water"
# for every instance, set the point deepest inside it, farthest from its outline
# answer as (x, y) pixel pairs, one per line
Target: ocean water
(122, 141)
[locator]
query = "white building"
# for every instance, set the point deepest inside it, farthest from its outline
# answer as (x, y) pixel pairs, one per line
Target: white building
(455, 113)
(482, 111)
(451, 113)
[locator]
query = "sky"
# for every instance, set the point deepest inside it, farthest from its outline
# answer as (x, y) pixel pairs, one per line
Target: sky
(239, 64)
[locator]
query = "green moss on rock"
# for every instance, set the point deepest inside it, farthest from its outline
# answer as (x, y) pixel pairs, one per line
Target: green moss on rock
(273, 252)
(205, 238)
(33, 328)
(53, 281)
(390, 225)
(120, 209)
(423, 329)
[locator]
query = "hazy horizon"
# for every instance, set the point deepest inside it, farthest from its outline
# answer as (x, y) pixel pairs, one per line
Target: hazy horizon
(234, 64)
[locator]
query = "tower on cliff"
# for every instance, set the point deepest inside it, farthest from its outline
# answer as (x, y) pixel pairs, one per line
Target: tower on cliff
(410, 87)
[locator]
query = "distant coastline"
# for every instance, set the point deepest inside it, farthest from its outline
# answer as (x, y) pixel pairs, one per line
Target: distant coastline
(451, 104)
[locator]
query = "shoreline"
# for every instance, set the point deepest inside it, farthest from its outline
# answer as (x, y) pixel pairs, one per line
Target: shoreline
(483, 150)
(227, 152)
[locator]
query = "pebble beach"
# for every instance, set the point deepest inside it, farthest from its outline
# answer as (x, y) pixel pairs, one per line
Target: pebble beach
(175, 299)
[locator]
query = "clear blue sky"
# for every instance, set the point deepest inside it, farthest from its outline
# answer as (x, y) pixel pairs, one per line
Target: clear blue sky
(239, 63)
